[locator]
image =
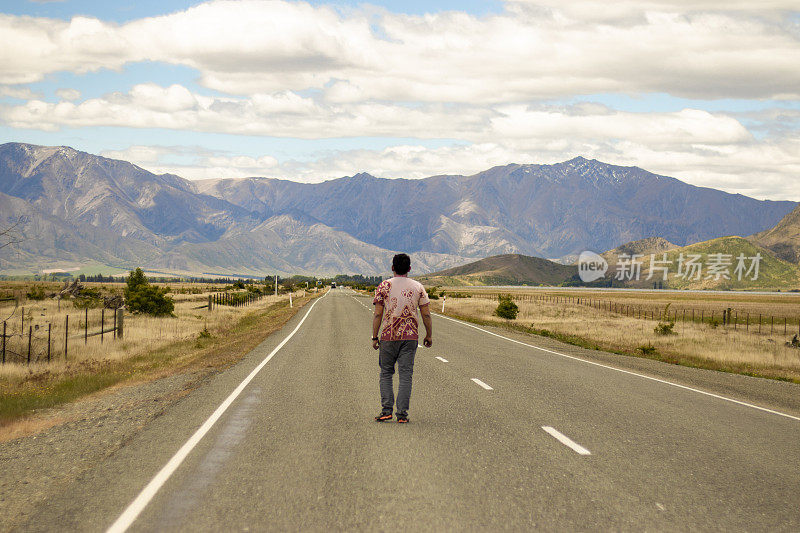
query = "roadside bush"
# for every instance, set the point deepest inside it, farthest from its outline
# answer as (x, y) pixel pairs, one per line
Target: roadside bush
(458, 294)
(665, 326)
(141, 297)
(35, 293)
(646, 349)
(506, 308)
(88, 299)
(432, 293)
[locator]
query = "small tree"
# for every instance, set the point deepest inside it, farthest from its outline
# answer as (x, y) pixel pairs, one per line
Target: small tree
(506, 308)
(665, 325)
(141, 297)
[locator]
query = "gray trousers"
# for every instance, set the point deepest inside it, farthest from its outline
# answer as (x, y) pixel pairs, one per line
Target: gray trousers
(402, 353)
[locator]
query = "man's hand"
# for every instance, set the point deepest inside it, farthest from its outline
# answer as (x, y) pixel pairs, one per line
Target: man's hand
(377, 318)
(425, 311)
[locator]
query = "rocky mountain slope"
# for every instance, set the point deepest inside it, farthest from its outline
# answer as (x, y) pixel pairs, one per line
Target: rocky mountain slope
(542, 210)
(784, 238)
(88, 210)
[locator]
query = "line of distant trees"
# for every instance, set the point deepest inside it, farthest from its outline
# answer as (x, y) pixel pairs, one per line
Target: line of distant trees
(292, 281)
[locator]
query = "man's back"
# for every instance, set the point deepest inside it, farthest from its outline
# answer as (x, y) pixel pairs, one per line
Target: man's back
(400, 297)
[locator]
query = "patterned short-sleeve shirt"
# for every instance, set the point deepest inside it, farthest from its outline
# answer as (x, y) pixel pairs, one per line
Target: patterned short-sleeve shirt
(400, 297)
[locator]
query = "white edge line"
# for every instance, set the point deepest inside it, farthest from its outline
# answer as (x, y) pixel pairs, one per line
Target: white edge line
(442, 359)
(711, 394)
(133, 510)
(482, 384)
(566, 441)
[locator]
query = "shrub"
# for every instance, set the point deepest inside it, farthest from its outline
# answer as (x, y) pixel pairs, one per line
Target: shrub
(36, 293)
(665, 325)
(87, 299)
(506, 308)
(432, 293)
(459, 295)
(85, 303)
(665, 328)
(646, 349)
(141, 297)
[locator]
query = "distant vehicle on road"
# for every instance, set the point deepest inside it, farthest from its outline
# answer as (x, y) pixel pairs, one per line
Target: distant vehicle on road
(333, 285)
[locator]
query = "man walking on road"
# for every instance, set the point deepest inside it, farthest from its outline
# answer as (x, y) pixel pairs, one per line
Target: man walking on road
(396, 302)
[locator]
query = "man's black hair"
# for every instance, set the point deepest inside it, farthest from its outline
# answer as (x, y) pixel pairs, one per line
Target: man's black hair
(401, 264)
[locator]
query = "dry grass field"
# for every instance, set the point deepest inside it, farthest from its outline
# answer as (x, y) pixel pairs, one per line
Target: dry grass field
(706, 345)
(151, 346)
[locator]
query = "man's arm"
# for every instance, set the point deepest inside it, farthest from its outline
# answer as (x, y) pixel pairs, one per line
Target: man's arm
(376, 324)
(425, 311)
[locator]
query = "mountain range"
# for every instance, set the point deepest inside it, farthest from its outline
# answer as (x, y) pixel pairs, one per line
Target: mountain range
(773, 273)
(97, 213)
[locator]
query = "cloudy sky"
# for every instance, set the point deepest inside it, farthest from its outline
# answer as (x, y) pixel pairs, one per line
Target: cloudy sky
(707, 91)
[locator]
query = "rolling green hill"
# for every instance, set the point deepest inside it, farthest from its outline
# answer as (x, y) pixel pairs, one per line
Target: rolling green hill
(507, 269)
(773, 272)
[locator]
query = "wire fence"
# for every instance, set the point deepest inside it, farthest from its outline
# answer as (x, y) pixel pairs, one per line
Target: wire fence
(26, 340)
(36, 337)
(727, 317)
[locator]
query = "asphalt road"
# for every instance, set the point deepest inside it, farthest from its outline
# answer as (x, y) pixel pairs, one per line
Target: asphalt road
(502, 436)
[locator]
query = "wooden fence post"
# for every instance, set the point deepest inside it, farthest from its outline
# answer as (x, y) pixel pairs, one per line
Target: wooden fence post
(209, 303)
(102, 323)
(66, 336)
(30, 334)
(120, 320)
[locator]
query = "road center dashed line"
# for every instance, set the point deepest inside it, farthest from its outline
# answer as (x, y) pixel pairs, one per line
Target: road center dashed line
(482, 384)
(566, 441)
(442, 359)
(630, 373)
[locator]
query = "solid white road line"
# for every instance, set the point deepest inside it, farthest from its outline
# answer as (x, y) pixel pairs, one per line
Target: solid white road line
(482, 384)
(442, 359)
(137, 506)
(566, 441)
(705, 393)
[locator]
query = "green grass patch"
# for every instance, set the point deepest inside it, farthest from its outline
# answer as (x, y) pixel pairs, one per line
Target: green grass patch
(16, 404)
